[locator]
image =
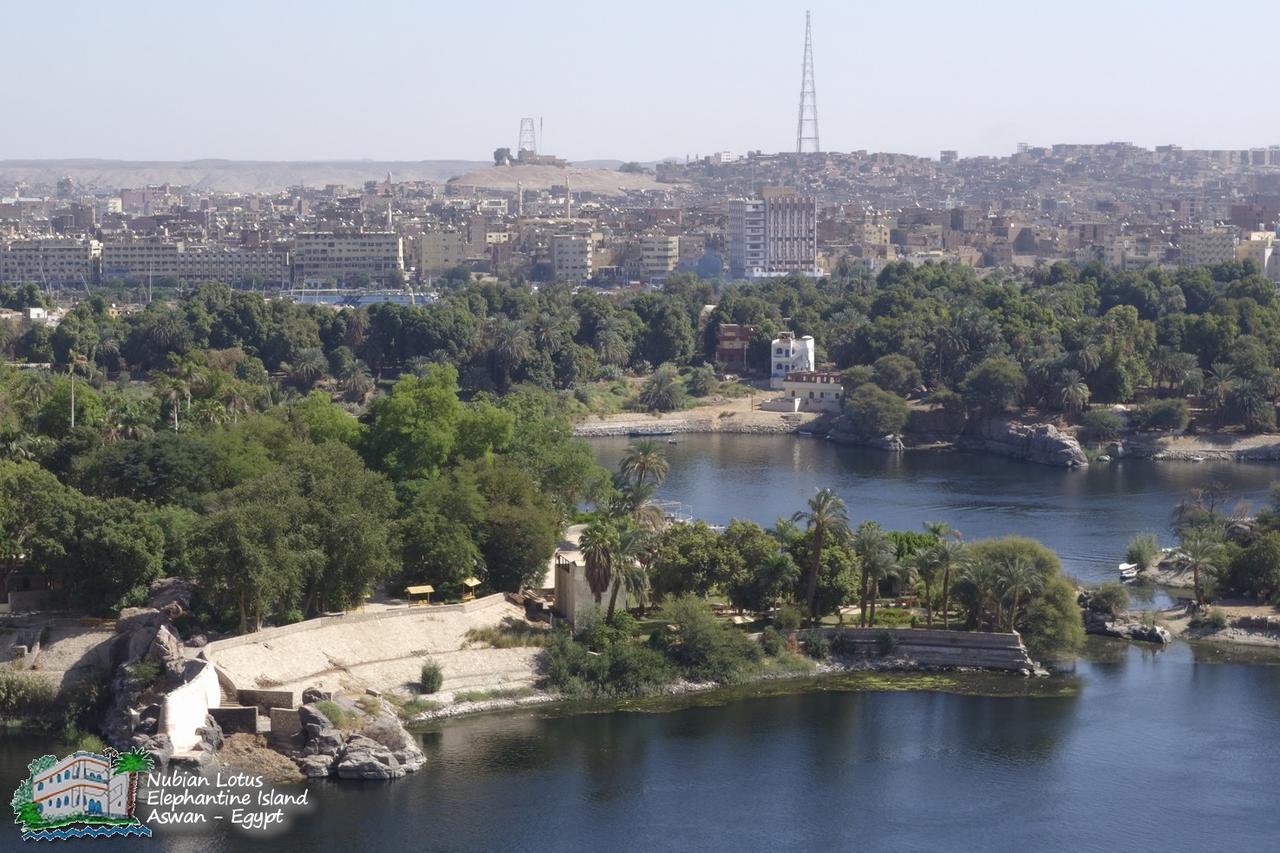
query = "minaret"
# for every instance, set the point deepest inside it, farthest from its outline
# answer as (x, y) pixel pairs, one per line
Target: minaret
(519, 201)
(568, 199)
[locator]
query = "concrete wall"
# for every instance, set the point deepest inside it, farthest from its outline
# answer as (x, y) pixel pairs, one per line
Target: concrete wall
(185, 707)
(286, 727)
(236, 719)
(265, 699)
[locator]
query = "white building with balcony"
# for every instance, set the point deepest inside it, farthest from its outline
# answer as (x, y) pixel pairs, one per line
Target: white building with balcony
(790, 354)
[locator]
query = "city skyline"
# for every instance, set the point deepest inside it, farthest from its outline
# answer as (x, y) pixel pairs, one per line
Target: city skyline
(678, 80)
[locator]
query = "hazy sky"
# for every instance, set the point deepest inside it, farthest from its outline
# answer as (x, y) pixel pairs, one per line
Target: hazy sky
(628, 80)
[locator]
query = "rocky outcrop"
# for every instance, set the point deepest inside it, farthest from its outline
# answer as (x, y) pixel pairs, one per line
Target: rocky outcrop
(1043, 444)
(378, 747)
(841, 435)
(1104, 625)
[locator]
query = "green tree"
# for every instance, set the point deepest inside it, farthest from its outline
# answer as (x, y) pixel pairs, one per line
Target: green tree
(897, 373)
(827, 520)
(645, 460)
(874, 412)
(662, 391)
(995, 385)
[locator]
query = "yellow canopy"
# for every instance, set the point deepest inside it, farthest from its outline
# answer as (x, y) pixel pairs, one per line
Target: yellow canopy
(471, 582)
(422, 589)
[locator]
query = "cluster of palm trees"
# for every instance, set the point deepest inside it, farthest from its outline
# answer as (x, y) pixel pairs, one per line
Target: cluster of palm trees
(618, 545)
(997, 590)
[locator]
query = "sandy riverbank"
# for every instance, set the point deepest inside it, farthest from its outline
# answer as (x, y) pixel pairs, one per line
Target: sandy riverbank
(1244, 625)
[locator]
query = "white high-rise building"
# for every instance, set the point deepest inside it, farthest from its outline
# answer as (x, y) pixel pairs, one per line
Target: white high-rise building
(774, 234)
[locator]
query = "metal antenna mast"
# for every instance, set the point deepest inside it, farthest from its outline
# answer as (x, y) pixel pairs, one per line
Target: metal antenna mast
(807, 125)
(528, 136)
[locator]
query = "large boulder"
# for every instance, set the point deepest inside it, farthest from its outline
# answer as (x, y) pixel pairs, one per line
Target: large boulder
(1043, 444)
(364, 758)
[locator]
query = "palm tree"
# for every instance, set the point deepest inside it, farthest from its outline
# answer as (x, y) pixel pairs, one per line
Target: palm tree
(133, 762)
(630, 570)
(599, 547)
(951, 556)
(356, 381)
(634, 502)
(1088, 358)
(645, 460)
(510, 344)
(827, 519)
(1256, 412)
(1219, 384)
(875, 553)
(1201, 551)
(1018, 581)
(1073, 393)
(928, 566)
(308, 367)
(662, 391)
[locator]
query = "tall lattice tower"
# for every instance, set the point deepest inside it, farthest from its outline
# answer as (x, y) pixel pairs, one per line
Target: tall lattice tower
(528, 136)
(807, 124)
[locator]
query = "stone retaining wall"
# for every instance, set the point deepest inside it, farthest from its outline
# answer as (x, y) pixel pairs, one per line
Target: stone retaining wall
(927, 647)
(352, 618)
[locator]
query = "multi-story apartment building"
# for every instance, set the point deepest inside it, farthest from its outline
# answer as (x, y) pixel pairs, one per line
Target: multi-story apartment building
(774, 234)
(52, 261)
(571, 257)
(345, 257)
(659, 254)
(441, 250)
(1259, 247)
(137, 260)
(1207, 245)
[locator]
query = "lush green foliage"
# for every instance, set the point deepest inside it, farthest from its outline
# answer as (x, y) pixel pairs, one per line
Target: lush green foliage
(430, 678)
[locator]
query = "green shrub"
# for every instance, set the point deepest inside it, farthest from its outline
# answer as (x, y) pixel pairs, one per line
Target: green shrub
(842, 643)
(1142, 550)
(496, 693)
(886, 643)
(1111, 598)
(818, 647)
(789, 618)
(771, 641)
(1102, 424)
(339, 716)
(598, 635)
(625, 669)
(873, 412)
(1210, 618)
(705, 648)
(509, 635)
(1163, 415)
(431, 677)
(24, 694)
(145, 672)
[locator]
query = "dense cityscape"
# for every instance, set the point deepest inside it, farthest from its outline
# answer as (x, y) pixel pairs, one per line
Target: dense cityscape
(533, 217)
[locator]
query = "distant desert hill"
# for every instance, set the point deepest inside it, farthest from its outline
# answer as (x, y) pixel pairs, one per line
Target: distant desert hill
(227, 175)
(581, 179)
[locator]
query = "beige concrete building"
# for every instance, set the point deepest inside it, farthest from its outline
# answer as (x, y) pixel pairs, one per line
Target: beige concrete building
(62, 261)
(440, 250)
(1207, 246)
(659, 254)
(571, 257)
(343, 257)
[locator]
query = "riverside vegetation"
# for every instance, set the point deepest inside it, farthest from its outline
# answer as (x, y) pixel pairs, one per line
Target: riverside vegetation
(292, 459)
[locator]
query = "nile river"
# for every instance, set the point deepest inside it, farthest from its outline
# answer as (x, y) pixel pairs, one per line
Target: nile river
(1173, 750)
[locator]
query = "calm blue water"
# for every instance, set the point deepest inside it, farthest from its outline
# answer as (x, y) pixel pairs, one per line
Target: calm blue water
(1157, 752)
(1087, 516)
